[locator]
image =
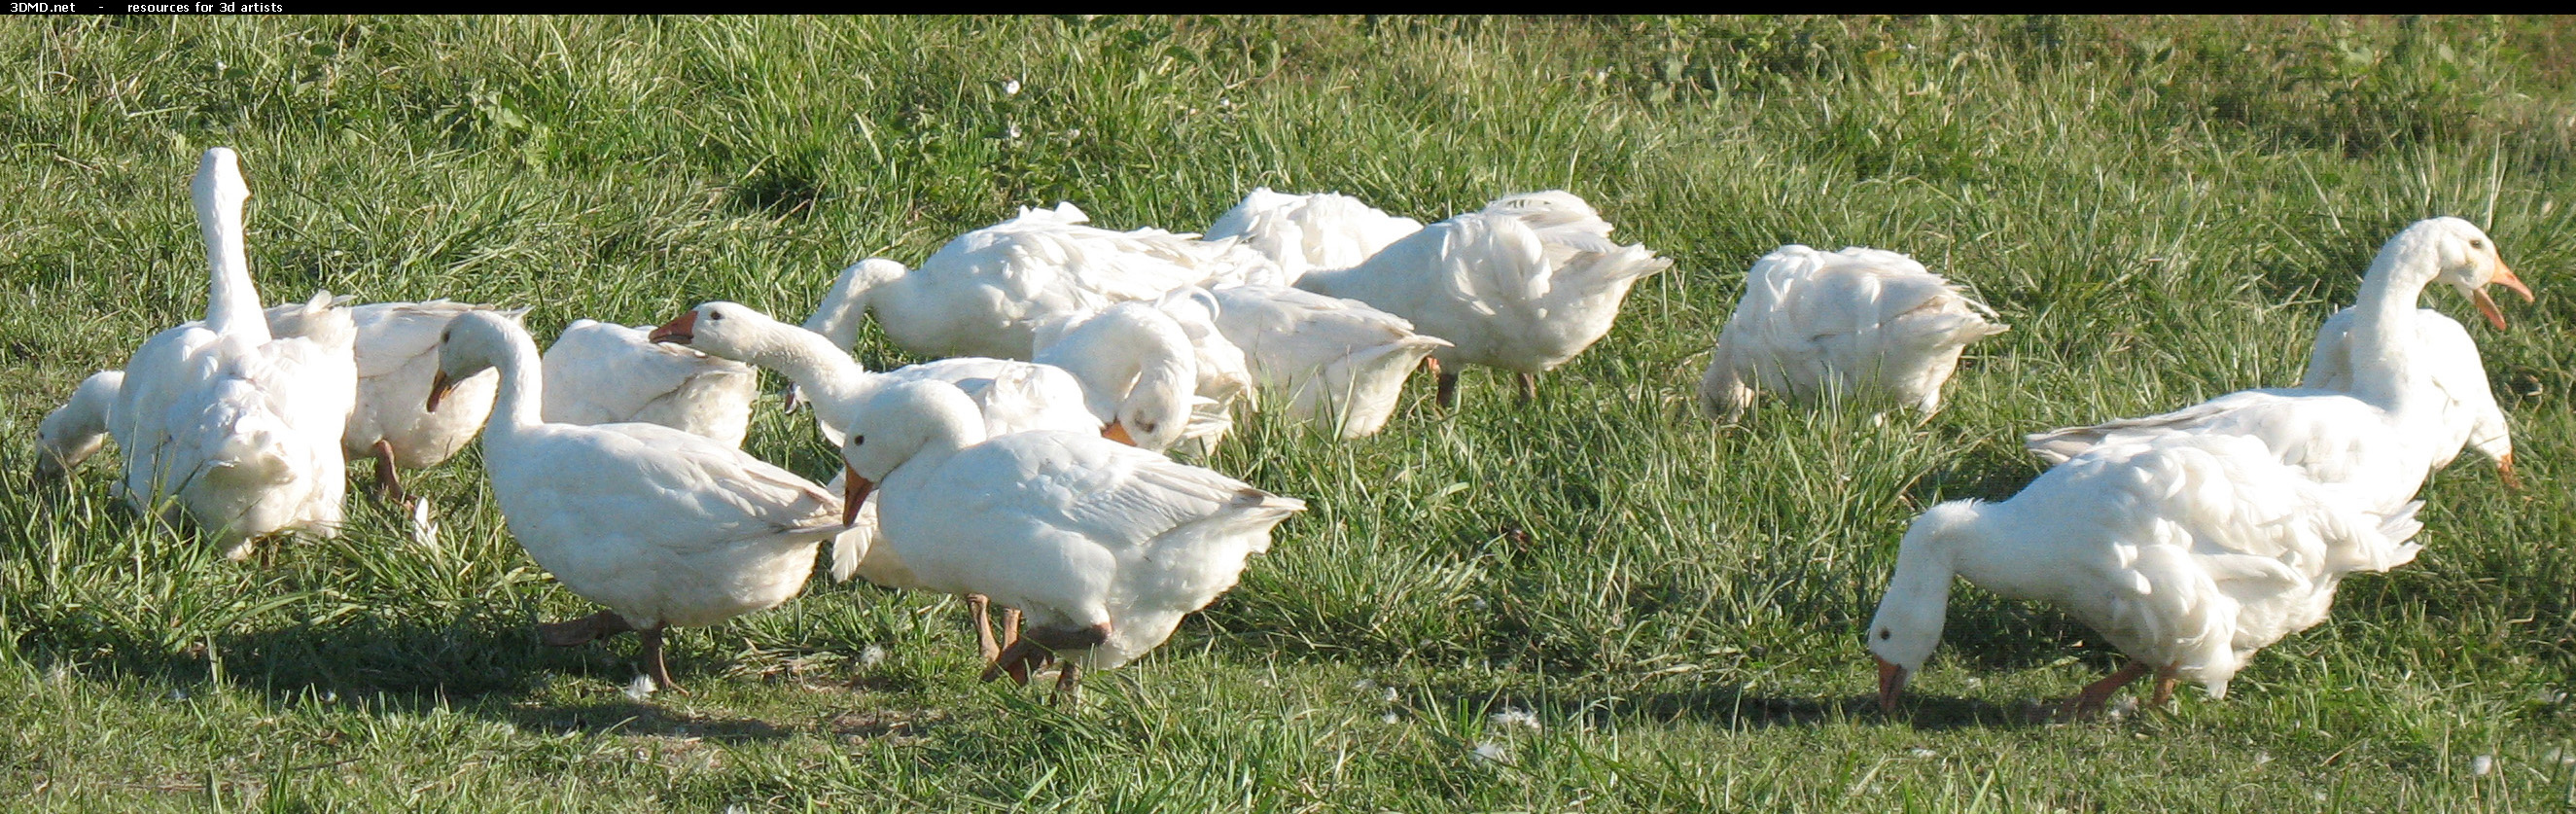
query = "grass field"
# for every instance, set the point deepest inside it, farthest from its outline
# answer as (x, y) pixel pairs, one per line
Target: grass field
(1598, 601)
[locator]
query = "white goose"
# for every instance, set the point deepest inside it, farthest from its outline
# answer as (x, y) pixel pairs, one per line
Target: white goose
(395, 350)
(1011, 396)
(2469, 415)
(2377, 442)
(1104, 546)
(2189, 552)
(985, 292)
(1339, 363)
(1523, 285)
(1861, 324)
(221, 421)
(605, 374)
(1143, 365)
(662, 526)
(1302, 233)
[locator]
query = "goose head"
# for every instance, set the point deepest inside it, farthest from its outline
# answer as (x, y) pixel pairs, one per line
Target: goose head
(2464, 257)
(898, 423)
(473, 342)
(1908, 625)
(730, 330)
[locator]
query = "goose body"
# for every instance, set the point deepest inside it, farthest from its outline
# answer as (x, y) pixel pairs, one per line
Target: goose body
(1865, 325)
(1522, 285)
(2378, 440)
(599, 373)
(1302, 233)
(2189, 552)
(1010, 396)
(2466, 405)
(664, 527)
(1338, 363)
(224, 423)
(984, 293)
(1104, 546)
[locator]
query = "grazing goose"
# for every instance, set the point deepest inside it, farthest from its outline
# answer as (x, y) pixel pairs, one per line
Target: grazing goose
(1104, 546)
(1139, 366)
(662, 526)
(224, 423)
(2378, 440)
(985, 292)
(1523, 285)
(1339, 363)
(2189, 552)
(605, 374)
(1302, 233)
(1863, 325)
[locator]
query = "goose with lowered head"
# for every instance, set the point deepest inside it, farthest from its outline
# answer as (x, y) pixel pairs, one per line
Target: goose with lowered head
(1301, 233)
(666, 528)
(1104, 546)
(984, 293)
(1862, 325)
(2189, 552)
(1522, 285)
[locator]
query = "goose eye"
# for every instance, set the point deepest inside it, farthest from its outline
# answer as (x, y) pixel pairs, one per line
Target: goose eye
(856, 440)
(1885, 634)
(715, 316)
(2475, 243)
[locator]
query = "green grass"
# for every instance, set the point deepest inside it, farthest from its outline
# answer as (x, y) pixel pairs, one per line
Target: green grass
(2162, 209)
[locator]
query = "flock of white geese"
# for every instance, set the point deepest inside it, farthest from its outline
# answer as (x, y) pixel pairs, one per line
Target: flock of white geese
(1026, 468)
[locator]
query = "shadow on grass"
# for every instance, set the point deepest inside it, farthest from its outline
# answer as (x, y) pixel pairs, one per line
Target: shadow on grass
(477, 664)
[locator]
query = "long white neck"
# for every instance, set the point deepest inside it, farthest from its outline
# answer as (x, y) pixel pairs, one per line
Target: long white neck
(809, 359)
(2386, 370)
(1131, 356)
(520, 406)
(232, 303)
(837, 318)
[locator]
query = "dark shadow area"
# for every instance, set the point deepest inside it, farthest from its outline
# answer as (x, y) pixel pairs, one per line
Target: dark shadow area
(633, 718)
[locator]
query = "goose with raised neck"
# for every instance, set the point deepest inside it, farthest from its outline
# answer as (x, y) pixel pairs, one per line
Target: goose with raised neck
(665, 527)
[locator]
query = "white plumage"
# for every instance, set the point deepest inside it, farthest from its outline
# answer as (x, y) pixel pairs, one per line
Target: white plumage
(2465, 403)
(598, 373)
(77, 430)
(236, 429)
(1010, 396)
(1337, 363)
(1862, 325)
(1104, 546)
(2377, 441)
(1522, 285)
(1302, 233)
(662, 526)
(2189, 552)
(985, 292)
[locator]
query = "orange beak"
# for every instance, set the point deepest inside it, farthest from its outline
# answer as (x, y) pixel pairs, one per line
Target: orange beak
(854, 491)
(1118, 432)
(438, 387)
(677, 331)
(2486, 305)
(1891, 685)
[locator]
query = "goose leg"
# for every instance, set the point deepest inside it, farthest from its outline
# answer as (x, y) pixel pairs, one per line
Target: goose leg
(2504, 472)
(653, 665)
(2089, 702)
(1068, 685)
(584, 630)
(1529, 387)
(2165, 680)
(1010, 626)
(389, 489)
(977, 607)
